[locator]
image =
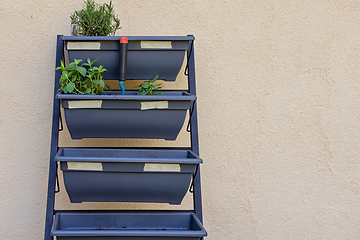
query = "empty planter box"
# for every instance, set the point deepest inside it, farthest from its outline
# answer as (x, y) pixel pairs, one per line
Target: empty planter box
(146, 57)
(127, 175)
(126, 116)
(127, 226)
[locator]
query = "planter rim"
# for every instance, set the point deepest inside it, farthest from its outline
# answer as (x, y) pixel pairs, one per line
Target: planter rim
(130, 233)
(130, 38)
(194, 160)
(116, 95)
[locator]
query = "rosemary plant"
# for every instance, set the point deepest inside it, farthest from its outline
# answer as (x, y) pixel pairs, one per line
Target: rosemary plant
(95, 20)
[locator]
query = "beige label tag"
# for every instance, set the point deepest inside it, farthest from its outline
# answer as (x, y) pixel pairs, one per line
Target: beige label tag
(161, 167)
(156, 44)
(85, 104)
(154, 105)
(83, 45)
(90, 166)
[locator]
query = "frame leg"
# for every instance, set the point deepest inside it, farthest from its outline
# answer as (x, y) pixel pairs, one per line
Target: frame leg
(54, 146)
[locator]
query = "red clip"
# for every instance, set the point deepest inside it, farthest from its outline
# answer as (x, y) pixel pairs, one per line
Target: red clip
(123, 40)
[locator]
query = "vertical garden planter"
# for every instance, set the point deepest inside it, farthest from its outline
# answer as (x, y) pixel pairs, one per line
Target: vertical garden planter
(146, 57)
(127, 175)
(126, 116)
(119, 174)
(127, 226)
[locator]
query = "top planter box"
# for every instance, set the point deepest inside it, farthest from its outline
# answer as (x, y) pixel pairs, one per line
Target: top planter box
(146, 56)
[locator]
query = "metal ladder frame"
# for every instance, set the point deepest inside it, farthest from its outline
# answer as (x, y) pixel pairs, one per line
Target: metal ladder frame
(53, 181)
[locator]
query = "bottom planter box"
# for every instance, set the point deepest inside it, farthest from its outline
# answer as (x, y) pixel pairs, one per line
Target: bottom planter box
(127, 175)
(127, 226)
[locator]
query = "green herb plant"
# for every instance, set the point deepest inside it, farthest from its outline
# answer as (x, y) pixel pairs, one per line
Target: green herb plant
(80, 80)
(147, 88)
(95, 20)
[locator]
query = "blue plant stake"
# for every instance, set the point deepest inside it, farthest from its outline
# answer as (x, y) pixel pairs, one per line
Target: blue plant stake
(122, 87)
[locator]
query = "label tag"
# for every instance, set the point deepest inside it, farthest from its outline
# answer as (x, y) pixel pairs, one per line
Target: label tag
(161, 167)
(154, 105)
(89, 166)
(156, 44)
(83, 45)
(85, 104)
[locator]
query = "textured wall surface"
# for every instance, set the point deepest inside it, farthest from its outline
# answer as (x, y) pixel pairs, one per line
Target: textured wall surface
(278, 106)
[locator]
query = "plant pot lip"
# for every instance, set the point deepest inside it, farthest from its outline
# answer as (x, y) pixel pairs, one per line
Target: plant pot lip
(130, 38)
(131, 95)
(194, 159)
(200, 232)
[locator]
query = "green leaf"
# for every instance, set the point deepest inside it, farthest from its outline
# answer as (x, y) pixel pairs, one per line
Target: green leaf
(64, 82)
(64, 73)
(94, 61)
(61, 66)
(73, 78)
(82, 71)
(88, 91)
(108, 87)
(71, 66)
(77, 61)
(102, 83)
(70, 87)
(101, 91)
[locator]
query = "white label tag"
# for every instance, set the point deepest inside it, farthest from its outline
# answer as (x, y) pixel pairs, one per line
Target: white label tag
(83, 45)
(85, 104)
(156, 44)
(154, 105)
(161, 167)
(90, 166)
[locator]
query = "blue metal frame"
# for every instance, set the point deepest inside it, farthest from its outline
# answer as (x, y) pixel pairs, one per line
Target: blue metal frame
(54, 145)
(194, 131)
(50, 210)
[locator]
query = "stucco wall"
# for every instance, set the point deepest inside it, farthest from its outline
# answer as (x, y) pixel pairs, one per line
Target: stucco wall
(278, 107)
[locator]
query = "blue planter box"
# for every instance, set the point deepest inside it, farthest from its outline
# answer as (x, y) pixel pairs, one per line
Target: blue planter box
(126, 116)
(127, 175)
(127, 226)
(146, 57)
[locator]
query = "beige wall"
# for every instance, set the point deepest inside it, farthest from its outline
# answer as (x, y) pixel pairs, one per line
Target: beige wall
(279, 112)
